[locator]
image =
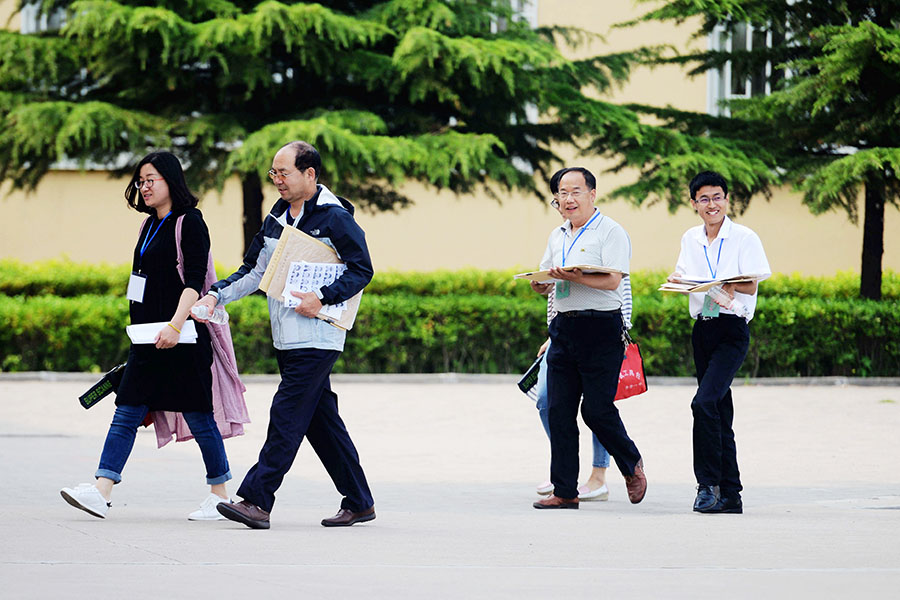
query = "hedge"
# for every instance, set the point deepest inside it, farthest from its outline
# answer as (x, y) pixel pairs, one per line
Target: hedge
(66, 279)
(405, 333)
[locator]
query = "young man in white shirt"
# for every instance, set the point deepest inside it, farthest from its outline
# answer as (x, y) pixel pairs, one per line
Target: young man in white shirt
(718, 249)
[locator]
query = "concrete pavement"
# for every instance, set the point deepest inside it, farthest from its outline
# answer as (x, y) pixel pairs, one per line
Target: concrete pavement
(453, 468)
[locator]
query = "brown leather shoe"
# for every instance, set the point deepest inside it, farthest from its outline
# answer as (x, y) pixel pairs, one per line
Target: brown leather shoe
(554, 501)
(636, 484)
(346, 517)
(243, 512)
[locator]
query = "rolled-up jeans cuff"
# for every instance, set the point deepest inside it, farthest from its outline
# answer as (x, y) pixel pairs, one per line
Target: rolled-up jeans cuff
(219, 479)
(116, 477)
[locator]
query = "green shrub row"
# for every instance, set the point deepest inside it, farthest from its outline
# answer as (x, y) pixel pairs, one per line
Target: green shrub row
(66, 278)
(402, 333)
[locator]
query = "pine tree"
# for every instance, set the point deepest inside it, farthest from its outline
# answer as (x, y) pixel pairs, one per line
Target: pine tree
(830, 127)
(457, 94)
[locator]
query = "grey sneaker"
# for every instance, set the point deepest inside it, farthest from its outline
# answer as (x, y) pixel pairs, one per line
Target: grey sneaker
(87, 498)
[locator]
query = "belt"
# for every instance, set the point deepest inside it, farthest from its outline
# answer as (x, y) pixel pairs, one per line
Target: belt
(723, 316)
(590, 313)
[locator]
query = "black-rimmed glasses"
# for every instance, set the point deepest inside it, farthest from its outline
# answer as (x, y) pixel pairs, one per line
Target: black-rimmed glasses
(140, 183)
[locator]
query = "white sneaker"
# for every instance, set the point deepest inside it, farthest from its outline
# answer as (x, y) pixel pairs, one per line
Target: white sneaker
(207, 510)
(601, 493)
(88, 498)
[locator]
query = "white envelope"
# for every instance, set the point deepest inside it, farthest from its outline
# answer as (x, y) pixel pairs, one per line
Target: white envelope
(145, 333)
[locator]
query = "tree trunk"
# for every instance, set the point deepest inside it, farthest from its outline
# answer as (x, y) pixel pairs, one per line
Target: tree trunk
(873, 238)
(251, 187)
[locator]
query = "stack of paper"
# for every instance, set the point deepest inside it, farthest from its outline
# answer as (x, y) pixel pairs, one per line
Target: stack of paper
(145, 333)
(687, 284)
(306, 277)
(294, 246)
(544, 276)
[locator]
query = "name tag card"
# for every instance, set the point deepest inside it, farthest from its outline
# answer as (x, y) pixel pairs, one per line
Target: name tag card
(136, 285)
(710, 308)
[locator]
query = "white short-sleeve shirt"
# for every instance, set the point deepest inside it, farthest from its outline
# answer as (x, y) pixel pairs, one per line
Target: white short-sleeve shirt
(601, 242)
(737, 250)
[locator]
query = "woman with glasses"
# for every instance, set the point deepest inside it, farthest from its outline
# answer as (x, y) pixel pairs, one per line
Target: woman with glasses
(165, 375)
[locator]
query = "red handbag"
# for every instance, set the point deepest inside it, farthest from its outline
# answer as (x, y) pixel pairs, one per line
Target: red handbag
(631, 376)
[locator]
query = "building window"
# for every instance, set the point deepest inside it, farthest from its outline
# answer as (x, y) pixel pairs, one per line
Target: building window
(733, 81)
(34, 21)
(524, 10)
(527, 10)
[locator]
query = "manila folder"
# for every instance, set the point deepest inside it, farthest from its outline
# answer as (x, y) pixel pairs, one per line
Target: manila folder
(296, 246)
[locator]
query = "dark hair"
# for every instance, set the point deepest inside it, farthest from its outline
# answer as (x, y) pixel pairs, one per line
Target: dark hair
(589, 178)
(706, 178)
(554, 181)
(307, 156)
(169, 167)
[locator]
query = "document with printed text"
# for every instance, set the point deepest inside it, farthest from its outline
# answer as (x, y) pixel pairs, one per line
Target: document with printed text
(305, 276)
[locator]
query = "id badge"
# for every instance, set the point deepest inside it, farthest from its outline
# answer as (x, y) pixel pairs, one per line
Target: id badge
(136, 285)
(562, 289)
(710, 308)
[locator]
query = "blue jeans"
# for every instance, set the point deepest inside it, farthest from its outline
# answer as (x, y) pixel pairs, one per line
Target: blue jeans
(123, 429)
(601, 456)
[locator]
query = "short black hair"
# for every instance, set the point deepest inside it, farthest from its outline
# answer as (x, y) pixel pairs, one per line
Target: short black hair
(554, 181)
(589, 178)
(307, 156)
(707, 178)
(170, 168)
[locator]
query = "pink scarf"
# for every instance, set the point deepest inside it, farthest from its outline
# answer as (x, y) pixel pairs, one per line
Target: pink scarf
(229, 408)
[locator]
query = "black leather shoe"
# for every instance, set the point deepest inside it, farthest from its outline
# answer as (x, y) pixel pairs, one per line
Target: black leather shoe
(729, 504)
(346, 517)
(707, 497)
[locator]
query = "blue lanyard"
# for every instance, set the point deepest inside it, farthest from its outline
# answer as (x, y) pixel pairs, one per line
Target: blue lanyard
(149, 237)
(565, 254)
(711, 272)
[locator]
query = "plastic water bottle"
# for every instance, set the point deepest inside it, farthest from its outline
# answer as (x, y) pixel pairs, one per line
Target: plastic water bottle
(219, 316)
(721, 298)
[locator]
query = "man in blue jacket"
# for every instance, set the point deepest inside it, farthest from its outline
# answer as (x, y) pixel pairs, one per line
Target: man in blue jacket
(306, 348)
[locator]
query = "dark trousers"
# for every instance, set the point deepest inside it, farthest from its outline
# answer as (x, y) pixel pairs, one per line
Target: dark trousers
(585, 357)
(720, 346)
(304, 405)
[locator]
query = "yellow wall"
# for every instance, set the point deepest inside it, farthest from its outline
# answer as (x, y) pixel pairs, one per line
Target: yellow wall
(83, 215)
(6, 11)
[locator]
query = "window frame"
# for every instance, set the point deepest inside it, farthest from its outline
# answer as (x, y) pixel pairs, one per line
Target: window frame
(720, 82)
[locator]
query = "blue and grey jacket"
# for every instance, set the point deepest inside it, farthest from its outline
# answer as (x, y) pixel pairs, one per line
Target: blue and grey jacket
(329, 219)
